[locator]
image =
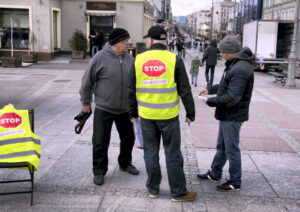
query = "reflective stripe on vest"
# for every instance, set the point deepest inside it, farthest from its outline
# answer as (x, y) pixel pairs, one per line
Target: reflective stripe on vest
(20, 154)
(17, 142)
(20, 140)
(156, 90)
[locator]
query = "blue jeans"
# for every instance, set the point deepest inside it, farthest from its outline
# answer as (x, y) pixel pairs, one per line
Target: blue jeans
(194, 79)
(228, 149)
(169, 130)
(95, 49)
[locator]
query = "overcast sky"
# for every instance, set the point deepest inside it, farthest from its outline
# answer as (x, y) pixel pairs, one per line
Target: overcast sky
(186, 7)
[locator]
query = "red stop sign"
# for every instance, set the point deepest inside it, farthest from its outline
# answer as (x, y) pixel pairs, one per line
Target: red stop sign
(10, 120)
(154, 68)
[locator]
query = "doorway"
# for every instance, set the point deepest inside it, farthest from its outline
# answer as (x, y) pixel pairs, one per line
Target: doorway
(101, 24)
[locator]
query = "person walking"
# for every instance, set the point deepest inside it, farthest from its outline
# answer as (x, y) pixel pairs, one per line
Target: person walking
(232, 109)
(210, 57)
(106, 77)
(180, 48)
(194, 71)
(156, 81)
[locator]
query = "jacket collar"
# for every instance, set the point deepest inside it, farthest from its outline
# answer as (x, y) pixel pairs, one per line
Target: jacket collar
(158, 46)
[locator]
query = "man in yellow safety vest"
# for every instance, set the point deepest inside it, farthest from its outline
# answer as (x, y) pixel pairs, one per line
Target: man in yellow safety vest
(156, 81)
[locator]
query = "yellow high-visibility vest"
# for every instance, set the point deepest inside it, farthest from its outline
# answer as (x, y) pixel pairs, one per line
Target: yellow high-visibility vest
(17, 141)
(156, 89)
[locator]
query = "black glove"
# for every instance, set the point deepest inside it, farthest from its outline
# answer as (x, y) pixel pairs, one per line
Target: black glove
(81, 118)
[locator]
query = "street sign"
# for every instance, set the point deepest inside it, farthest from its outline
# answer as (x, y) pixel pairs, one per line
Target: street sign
(154, 68)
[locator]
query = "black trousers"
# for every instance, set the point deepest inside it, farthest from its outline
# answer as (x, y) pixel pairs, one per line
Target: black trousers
(169, 131)
(212, 72)
(103, 121)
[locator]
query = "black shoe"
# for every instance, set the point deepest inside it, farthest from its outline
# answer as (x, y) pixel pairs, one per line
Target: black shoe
(130, 169)
(228, 186)
(195, 84)
(207, 176)
(99, 179)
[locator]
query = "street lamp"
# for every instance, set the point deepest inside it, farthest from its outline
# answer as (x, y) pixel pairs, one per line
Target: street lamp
(293, 58)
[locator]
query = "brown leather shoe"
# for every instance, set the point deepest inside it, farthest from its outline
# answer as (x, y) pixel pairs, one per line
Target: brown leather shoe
(190, 196)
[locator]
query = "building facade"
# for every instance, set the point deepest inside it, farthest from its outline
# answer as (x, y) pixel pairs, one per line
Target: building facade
(248, 10)
(221, 12)
(203, 23)
(279, 9)
(46, 26)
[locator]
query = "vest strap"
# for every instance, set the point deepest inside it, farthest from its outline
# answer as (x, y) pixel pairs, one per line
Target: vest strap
(19, 140)
(156, 90)
(158, 106)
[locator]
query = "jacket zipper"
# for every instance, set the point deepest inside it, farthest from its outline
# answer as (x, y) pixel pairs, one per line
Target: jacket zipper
(121, 62)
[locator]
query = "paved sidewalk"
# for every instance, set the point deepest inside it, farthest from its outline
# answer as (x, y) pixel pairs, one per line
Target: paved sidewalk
(270, 144)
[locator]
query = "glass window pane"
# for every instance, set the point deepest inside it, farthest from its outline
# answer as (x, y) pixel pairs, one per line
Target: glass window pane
(19, 19)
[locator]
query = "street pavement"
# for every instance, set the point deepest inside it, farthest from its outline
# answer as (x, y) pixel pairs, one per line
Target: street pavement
(270, 143)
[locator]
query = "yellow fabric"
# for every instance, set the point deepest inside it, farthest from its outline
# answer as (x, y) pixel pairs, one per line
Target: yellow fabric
(169, 59)
(15, 133)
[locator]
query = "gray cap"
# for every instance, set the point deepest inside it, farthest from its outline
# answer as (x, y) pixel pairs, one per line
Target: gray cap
(229, 44)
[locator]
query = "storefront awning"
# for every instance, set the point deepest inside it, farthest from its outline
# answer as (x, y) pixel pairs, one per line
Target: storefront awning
(100, 13)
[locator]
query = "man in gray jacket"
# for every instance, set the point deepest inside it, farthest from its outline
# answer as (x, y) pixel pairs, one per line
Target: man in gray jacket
(106, 77)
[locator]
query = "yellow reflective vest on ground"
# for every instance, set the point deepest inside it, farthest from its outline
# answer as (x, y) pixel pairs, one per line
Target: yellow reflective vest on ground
(17, 142)
(156, 90)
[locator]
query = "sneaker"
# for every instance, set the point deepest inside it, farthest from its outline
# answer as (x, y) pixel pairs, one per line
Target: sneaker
(207, 176)
(98, 179)
(153, 196)
(130, 169)
(190, 196)
(228, 186)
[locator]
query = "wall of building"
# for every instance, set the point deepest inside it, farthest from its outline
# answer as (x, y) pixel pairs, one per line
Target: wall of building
(39, 23)
(73, 17)
(129, 16)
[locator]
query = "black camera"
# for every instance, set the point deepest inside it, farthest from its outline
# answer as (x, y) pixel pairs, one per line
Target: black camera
(81, 118)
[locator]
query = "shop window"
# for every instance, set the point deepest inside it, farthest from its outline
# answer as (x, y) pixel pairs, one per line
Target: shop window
(20, 24)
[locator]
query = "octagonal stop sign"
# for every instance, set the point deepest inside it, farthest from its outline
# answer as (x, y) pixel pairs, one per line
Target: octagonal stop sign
(154, 68)
(10, 120)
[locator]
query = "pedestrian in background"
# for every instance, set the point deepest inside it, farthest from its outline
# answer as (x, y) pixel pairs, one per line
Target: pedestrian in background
(106, 77)
(210, 57)
(180, 47)
(232, 109)
(194, 71)
(156, 82)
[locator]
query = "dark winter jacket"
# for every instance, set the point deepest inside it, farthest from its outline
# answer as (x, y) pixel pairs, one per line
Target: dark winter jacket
(210, 56)
(235, 88)
(181, 79)
(106, 77)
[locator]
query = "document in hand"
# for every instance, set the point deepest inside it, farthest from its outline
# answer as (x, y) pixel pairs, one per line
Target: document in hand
(139, 143)
(202, 97)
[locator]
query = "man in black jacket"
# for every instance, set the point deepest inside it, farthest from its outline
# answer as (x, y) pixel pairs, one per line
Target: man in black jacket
(156, 82)
(232, 109)
(210, 56)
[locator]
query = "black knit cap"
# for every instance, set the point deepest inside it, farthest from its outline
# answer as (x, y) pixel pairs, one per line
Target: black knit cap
(117, 35)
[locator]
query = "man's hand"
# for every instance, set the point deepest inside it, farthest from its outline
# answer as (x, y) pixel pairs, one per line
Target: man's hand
(203, 92)
(187, 120)
(86, 108)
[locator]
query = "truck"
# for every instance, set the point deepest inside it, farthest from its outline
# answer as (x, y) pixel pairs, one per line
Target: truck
(270, 41)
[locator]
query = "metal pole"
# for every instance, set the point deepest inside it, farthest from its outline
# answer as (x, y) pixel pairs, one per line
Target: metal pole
(233, 21)
(293, 57)
(11, 37)
(212, 19)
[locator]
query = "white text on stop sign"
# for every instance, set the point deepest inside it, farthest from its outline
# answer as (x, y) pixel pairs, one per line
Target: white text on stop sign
(9, 120)
(154, 68)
